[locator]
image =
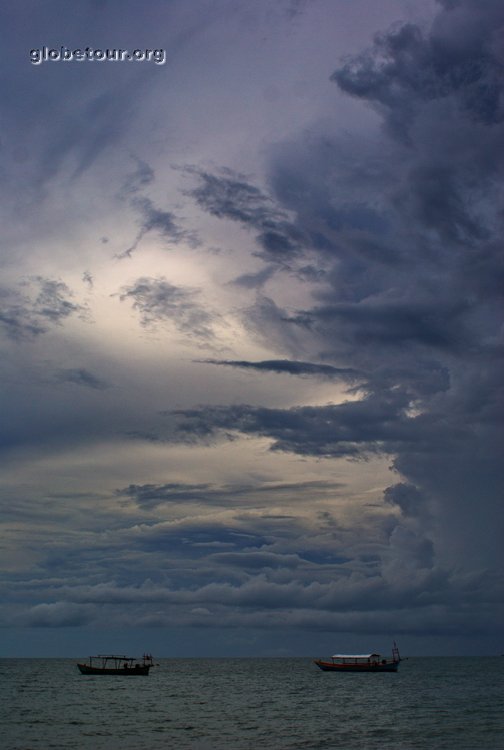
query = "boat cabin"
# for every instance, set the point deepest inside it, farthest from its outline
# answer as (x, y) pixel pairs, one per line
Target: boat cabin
(358, 659)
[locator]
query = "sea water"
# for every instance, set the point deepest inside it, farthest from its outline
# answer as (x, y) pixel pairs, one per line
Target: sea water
(279, 704)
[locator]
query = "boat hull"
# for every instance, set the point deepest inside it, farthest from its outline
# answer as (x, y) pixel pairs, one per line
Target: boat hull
(329, 666)
(140, 670)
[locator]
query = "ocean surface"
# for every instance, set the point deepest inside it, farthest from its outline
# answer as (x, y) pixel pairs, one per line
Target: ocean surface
(213, 704)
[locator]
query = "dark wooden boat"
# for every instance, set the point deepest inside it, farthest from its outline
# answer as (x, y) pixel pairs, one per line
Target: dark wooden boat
(116, 664)
(361, 662)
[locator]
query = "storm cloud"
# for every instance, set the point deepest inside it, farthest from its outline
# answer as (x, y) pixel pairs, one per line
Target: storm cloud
(407, 296)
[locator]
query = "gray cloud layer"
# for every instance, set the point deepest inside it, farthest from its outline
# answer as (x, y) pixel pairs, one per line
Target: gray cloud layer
(376, 266)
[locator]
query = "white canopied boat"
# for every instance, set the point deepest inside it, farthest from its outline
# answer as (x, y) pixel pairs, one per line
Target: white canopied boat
(361, 662)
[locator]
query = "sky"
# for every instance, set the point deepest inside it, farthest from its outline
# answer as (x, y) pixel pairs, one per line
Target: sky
(251, 327)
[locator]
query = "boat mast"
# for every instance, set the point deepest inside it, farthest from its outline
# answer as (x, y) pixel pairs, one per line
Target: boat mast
(395, 653)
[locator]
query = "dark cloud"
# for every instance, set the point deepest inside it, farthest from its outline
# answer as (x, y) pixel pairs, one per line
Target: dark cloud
(152, 218)
(263, 589)
(136, 181)
(406, 69)
(230, 196)
(87, 278)
(30, 308)
(157, 220)
(404, 241)
(405, 496)
(81, 376)
(152, 495)
(255, 280)
(250, 570)
(393, 323)
(253, 561)
(17, 319)
(158, 301)
(53, 301)
(354, 429)
(292, 367)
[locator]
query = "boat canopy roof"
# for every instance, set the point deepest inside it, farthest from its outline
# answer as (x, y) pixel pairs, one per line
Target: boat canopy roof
(355, 656)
